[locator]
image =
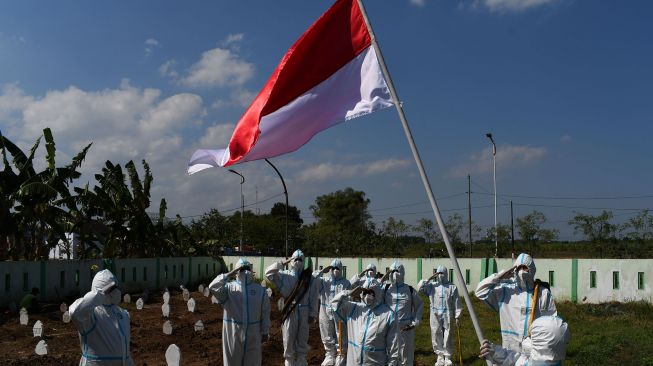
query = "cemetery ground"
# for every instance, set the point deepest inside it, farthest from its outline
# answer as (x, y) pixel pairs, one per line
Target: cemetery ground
(602, 334)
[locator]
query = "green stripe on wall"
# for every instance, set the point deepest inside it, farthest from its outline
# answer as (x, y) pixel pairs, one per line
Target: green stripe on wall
(419, 269)
(574, 280)
(483, 268)
(360, 265)
(262, 269)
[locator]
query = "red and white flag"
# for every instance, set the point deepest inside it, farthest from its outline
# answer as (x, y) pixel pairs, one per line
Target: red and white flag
(330, 75)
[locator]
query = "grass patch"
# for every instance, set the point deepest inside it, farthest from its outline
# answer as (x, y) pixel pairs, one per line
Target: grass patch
(601, 334)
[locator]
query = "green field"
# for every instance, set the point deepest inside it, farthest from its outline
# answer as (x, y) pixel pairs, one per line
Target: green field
(603, 334)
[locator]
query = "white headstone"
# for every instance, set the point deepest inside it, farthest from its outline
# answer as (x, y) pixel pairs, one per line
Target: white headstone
(24, 318)
(167, 327)
(165, 310)
(38, 329)
(214, 300)
(66, 317)
(127, 299)
(191, 305)
(63, 307)
(139, 304)
(200, 288)
(166, 297)
(206, 292)
(186, 294)
(173, 355)
(280, 303)
(269, 291)
(41, 348)
(199, 326)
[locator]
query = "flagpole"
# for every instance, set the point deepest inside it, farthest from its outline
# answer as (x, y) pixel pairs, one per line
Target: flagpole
(422, 173)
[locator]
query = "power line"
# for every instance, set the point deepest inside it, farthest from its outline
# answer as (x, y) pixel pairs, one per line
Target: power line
(571, 198)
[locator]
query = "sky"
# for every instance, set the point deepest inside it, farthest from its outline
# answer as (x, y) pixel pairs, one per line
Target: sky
(564, 86)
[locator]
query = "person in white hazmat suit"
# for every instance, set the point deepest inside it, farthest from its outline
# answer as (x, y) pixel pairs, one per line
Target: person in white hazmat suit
(366, 279)
(445, 309)
(301, 305)
(546, 346)
(103, 326)
(407, 305)
(371, 326)
(518, 298)
(246, 317)
(335, 342)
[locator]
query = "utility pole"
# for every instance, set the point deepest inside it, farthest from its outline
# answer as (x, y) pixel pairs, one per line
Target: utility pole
(494, 161)
(285, 192)
(469, 212)
(512, 236)
(242, 208)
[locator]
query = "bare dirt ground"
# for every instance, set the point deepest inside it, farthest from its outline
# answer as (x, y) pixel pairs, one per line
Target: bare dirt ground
(148, 343)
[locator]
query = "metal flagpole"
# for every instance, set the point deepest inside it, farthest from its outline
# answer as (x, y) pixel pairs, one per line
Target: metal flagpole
(422, 173)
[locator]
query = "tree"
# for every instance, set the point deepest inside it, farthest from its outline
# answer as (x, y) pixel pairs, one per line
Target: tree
(503, 236)
(342, 220)
(426, 229)
(455, 226)
(32, 203)
(640, 227)
(531, 231)
(595, 228)
(395, 230)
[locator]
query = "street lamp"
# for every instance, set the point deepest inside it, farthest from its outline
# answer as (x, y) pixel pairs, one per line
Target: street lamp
(242, 208)
(285, 192)
(494, 159)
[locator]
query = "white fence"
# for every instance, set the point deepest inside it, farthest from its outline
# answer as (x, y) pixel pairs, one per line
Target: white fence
(578, 280)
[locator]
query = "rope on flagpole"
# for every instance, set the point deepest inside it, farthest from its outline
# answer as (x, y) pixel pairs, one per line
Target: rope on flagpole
(425, 179)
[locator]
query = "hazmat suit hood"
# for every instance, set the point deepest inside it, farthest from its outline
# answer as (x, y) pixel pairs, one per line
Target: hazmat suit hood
(370, 267)
(101, 280)
(336, 270)
(445, 271)
(297, 266)
(549, 338)
(244, 275)
(397, 277)
(525, 280)
(378, 295)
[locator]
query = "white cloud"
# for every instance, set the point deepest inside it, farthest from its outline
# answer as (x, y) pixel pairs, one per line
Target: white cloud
(507, 157)
(565, 139)
(168, 69)
(238, 98)
(150, 44)
(12, 101)
(328, 171)
(218, 67)
(233, 38)
(217, 136)
(514, 6)
(418, 2)
(123, 124)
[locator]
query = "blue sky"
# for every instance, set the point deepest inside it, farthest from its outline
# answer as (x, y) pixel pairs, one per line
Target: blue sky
(565, 87)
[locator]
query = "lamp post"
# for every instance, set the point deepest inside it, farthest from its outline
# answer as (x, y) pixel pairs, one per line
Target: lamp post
(285, 192)
(242, 208)
(494, 160)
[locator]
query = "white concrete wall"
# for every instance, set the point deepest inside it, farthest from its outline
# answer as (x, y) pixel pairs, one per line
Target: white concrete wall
(77, 275)
(58, 279)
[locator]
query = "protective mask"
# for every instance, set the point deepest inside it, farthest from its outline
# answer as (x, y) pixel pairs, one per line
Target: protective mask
(297, 266)
(243, 275)
(115, 296)
(371, 274)
(336, 273)
(524, 279)
(368, 299)
(440, 277)
(397, 277)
